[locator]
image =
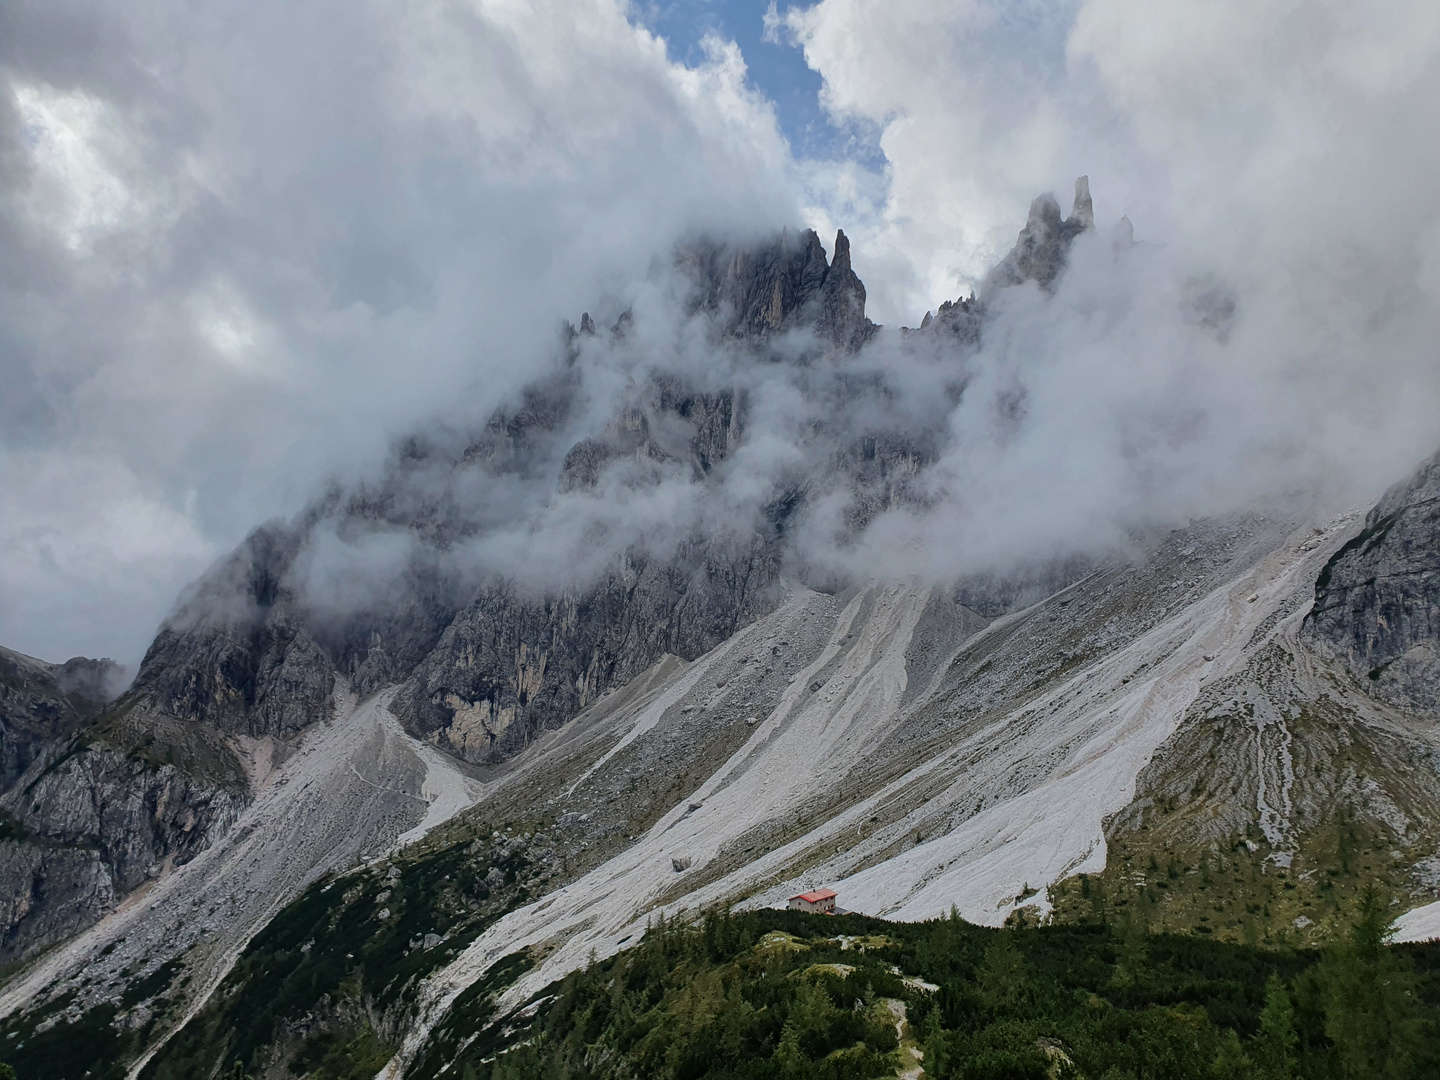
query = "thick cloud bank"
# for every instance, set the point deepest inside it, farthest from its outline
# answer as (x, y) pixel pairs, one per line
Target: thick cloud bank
(244, 244)
(1272, 156)
(246, 247)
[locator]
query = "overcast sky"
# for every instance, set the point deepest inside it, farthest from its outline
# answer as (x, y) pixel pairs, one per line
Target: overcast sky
(242, 245)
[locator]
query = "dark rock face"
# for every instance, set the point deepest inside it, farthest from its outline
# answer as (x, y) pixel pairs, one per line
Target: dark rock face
(93, 804)
(1377, 602)
(49, 893)
(235, 655)
(511, 665)
(1040, 254)
(41, 704)
(483, 664)
(90, 827)
(1041, 250)
(842, 302)
(760, 291)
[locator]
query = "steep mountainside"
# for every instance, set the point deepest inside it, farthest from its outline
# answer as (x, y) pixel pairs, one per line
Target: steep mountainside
(378, 780)
(1377, 602)
(888, 741)
(1309, 774)
(486, 665)
(95, 802)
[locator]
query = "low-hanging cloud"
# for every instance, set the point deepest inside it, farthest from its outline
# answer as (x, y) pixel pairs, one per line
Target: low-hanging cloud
(254, 255)
(247, 244)
(1269, 154)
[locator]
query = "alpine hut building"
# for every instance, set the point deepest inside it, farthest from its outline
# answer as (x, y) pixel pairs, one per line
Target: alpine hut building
(821, 901)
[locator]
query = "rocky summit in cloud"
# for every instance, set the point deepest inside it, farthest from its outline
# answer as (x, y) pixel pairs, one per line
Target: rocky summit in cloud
(550, 516)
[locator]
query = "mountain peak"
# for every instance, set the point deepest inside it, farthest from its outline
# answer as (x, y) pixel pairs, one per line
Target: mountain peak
(1082, 211)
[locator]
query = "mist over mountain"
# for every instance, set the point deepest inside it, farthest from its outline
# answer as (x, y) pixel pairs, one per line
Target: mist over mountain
(208, 321)
(546, 494)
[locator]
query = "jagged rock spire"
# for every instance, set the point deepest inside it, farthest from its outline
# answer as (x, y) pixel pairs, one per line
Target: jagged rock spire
(787, 283)
(1039, 255)
(1082, 212)
(1043, 246)
(1124, 235)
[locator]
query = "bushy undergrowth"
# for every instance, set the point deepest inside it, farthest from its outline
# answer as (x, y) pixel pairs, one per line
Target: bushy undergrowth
(784, 996)
(311, 991)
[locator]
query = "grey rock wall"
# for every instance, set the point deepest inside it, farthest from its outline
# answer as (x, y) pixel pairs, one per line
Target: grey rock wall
(1043, 246)
(41, 704)
(758, 291)
(511, 665)
(486, 665)
(1040, 254)
(236, 655)
(87, 829)
(1377, 602)
(95, 799)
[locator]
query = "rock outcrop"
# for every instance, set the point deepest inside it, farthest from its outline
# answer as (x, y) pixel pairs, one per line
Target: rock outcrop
(41, 704)
(89, 828)
(511, 665)
(756, 292)
(485, 663)
(1377, 601)
(1043, 246)
(235, 654)
(95, 798)
(1040, 254)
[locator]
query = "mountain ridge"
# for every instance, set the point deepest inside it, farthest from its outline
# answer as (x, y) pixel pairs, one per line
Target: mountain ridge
(356, 775)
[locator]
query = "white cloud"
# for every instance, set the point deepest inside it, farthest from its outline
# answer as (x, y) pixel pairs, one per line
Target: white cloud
(247, 243)
(1268, 152)
(89, 555)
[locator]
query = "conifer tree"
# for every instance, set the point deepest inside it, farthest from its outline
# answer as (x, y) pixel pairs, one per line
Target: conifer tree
(1372, 1008)
(1276, 1046)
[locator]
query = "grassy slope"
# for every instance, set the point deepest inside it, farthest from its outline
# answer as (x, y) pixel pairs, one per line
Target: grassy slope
(1350, 806)
(323, 988)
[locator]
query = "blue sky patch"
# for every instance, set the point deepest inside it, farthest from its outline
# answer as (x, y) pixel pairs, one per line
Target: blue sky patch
(777, 69)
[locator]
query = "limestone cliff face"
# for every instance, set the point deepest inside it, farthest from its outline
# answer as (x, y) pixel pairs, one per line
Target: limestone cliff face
(511, 665)
(1040, 254)
(485, 663)
(1377, 602)
(41, 703)
(235, 654)
(755, 292)
(94, 798)
(90, 827)
(1042, 248)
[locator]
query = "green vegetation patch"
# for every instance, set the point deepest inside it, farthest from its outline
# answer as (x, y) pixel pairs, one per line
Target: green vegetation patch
(327, 980)
(1190, 855)
(1238, 893)
(778, 995)
(62, 1041)
(90, 1045)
